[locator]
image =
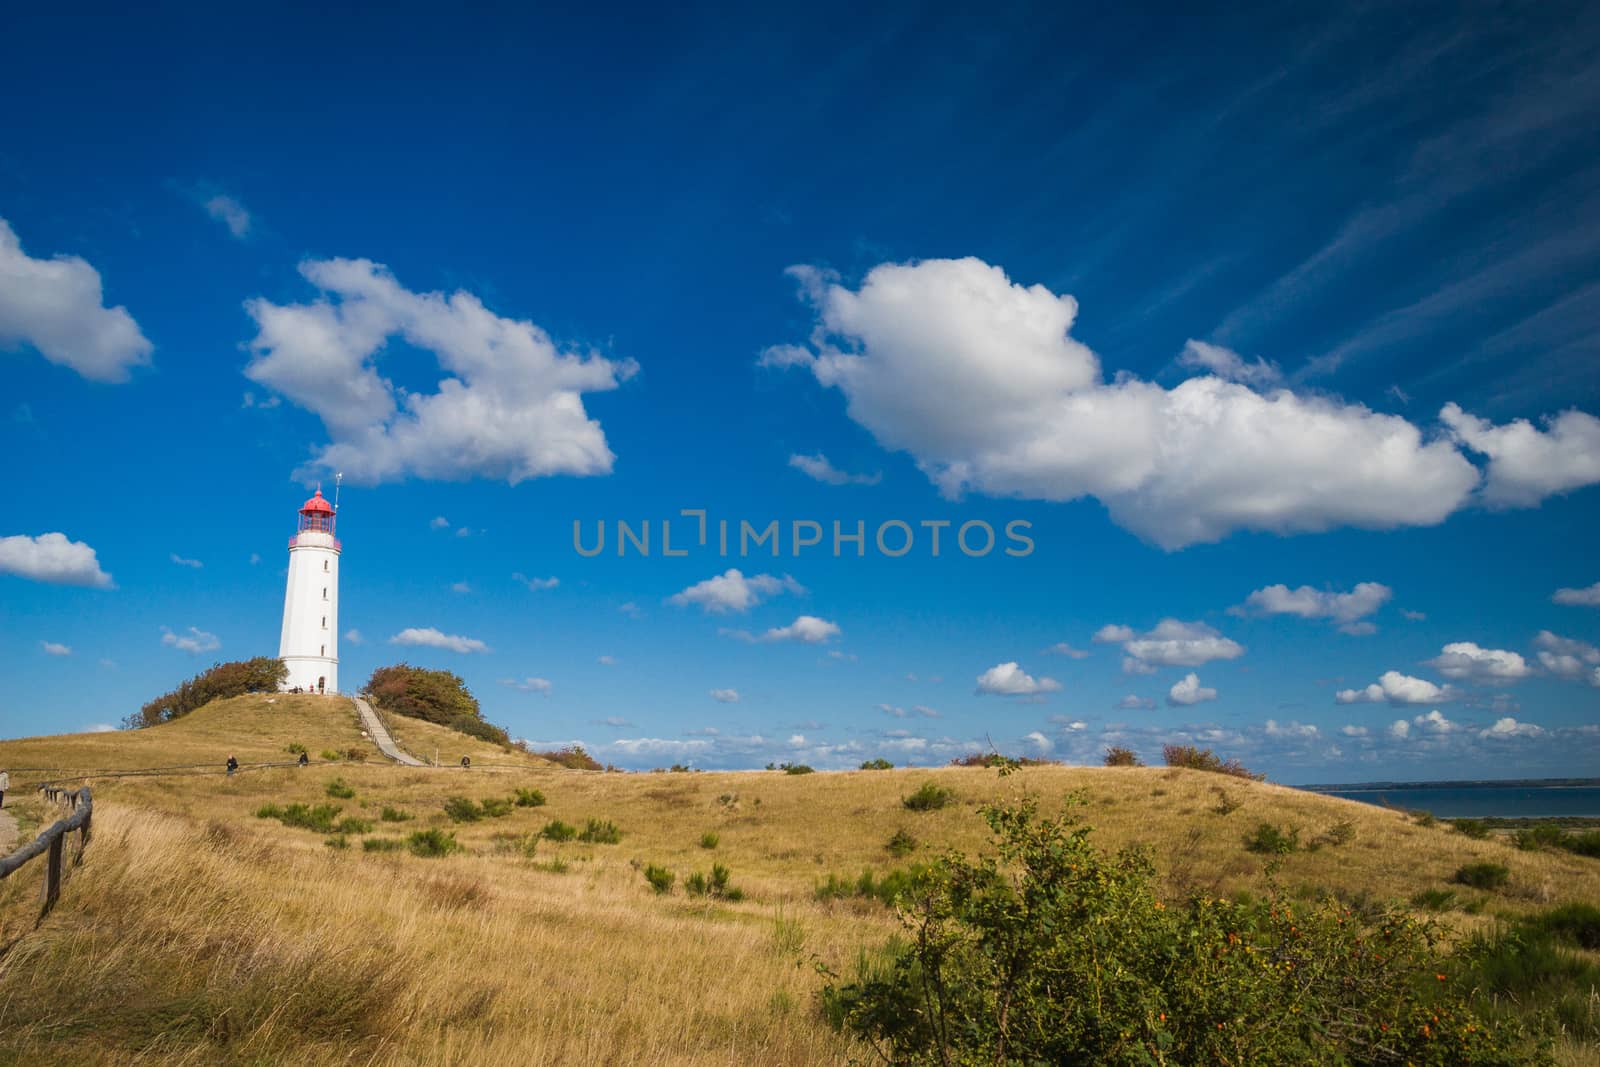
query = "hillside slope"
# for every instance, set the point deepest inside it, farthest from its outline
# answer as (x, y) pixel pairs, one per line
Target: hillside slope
(255, 729)
(197, 931)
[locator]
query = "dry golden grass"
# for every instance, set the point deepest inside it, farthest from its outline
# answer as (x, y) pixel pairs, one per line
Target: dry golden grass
(196, 932)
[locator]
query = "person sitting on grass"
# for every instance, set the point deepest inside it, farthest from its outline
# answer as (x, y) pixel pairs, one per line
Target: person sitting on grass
(233, 764)
(304, 759)
(5, 783)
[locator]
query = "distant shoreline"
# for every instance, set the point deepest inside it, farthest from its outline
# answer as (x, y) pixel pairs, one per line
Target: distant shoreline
(1468, 783)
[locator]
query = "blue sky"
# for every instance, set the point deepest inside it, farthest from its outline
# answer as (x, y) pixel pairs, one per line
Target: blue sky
(1277, 328)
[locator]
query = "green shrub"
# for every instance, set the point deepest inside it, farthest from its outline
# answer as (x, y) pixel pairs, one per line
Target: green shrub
(1048, 950)
(431, 844)
(901, 843)
(928, 797)
(715, 885)
(709, 840)
(294, 748)
(1271, 840)
(337, 788)
(352, 825)
(1203, 759)
(1584, 844)
(1539, 836)
(1422, 818)
(1340, 833)
(355, 754)
(1487, 876)
(1434, 900)
(1573, 924)
(319, 819)
(1117, 756)
(556, 830)
(530, 798)
(886, 889)
(394, 815)
(573, 758)
(462, 809)
(495, 807)
(331, 755)
(797, 768)
(660, 879)
(596, 832)
(382, 844)
(879, 764)
(1476, 829)
(338, 841)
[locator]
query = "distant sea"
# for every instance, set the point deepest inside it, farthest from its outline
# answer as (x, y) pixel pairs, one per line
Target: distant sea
(1529, 799)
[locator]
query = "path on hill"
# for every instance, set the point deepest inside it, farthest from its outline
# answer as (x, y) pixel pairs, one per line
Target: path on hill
(381, 737)
(8, 833)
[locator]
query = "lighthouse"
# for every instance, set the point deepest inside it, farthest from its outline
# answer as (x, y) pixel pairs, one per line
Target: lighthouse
(310, 643)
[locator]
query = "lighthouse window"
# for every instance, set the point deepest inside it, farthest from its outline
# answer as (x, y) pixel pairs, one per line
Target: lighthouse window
(324, 622)
(324, 592)
(324, 649)
(324, 564)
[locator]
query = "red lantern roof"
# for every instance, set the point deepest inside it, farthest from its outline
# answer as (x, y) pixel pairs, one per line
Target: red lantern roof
(316, 505)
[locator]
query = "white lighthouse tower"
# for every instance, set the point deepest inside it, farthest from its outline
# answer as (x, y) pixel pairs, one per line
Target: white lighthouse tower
(310, 643)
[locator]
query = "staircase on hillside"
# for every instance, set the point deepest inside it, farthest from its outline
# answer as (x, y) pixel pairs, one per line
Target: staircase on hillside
(381, 737)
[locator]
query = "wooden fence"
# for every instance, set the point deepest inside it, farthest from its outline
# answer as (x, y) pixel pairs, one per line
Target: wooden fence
(52, 840)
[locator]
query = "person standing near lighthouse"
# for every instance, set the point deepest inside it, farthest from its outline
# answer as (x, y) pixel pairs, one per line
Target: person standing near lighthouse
(309, 646)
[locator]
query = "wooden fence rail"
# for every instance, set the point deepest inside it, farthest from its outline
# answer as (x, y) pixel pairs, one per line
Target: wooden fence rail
(52, 840)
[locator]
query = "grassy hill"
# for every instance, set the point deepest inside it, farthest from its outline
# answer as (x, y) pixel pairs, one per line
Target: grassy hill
(198, 931)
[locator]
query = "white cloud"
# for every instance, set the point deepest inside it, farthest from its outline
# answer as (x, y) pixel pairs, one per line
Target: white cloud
(818, 467)
(180, 561)
(609, 661)
(528, 685)
(231, 213)
(1008, 679)
(1400, 729)
(1039, 742)
(732, 591)
(1347, 610)
(1188, 690)
(56, 305)
(1062, 648)
(1464, 660)
(892, 709)
(1527, 464)
(428, 637)
(1228, 365)
(805, 628)
(615, 721)
(1293, 730)
(1131, 702)
(509, 404)
(979, 379)
(255, 557)
(439, 523)
(925, 711)
(460, 587)
(1569, 659)
(354, 637)
(1113, 634)
(52, 558)
(1396, 688)
(1587, 597)
(194, 642)
(250, 401)
(1353, 731)
(725, 696)
(631, 610)
(1172, 644)
(536, 585)
(53, 648)
(99, 728)
(1506, 728)
(1413, 616)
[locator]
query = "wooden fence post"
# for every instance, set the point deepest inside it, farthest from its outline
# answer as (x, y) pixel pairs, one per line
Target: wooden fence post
(52, 873)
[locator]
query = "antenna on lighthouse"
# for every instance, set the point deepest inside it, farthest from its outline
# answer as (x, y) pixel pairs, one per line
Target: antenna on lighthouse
(337, 478)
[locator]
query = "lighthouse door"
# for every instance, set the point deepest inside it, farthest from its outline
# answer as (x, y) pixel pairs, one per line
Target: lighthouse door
(322, 684)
